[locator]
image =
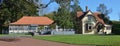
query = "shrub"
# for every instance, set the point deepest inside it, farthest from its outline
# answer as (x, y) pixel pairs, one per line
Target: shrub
(116, 27)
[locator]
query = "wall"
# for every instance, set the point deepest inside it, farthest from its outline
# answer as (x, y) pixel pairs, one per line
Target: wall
(21, 29)
(84, 22)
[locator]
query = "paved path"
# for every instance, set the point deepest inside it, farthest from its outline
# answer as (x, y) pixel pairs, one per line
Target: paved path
(32, 42)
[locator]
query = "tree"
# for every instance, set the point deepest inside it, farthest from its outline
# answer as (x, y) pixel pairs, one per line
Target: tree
(75, 6)
(104, 13)
(116, 27)
(42, 6)
(76, 22)
(63, 18)
(63, 3)
(12, 10)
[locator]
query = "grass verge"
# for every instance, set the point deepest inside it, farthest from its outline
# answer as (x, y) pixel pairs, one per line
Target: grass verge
(106, 40)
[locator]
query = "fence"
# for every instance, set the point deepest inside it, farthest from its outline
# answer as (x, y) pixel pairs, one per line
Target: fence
(63, 32)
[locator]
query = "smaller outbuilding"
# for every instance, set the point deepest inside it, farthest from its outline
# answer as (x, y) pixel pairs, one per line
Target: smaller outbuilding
(29, 24)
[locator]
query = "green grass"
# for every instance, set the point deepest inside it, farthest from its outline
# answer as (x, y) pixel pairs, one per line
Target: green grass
(84, 39)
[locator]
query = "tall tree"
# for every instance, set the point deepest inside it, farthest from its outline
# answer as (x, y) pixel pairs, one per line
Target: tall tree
(103, 9)
(63, 17)
(76, 21)
(76, 6)
(104, 12)
(42, 6)
(12, 10)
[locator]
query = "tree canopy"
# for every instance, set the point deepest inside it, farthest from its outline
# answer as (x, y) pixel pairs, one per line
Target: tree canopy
(64, 16)
(10, 9)
(104, 13)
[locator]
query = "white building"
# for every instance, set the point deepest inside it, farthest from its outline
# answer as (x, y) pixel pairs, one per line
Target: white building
(91, 23)
(29, 24)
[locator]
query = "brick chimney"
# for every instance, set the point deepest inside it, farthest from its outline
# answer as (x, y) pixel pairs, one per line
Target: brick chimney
(86, 8)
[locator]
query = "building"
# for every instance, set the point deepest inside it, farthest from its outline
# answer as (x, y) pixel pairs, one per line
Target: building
(91, 23)
(88, 22)
(29, 24)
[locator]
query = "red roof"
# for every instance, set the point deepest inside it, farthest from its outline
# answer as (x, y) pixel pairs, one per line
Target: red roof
(79, 14)
(37, 20)
(95, 14)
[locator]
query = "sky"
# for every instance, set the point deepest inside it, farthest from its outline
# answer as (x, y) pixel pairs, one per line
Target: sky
(92, 5)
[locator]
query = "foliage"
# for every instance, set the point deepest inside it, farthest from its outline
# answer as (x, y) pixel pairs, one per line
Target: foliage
(76, 21)
(12, 10)
(50, 15)
(103, 9)
(53, 26)
(76, 7)
(63, 3)
(41, 27)
(16, 9)
(112, 40)
(116, 27)
(63, 18)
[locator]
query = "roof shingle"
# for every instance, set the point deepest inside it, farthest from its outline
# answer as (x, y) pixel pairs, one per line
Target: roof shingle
(37, 20)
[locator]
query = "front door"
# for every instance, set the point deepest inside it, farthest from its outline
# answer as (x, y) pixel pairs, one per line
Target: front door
(88, 28)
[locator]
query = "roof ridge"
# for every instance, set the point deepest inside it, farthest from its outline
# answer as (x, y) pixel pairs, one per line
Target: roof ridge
(34, 16)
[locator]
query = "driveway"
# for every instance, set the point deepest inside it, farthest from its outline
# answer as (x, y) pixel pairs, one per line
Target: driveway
(32, 42)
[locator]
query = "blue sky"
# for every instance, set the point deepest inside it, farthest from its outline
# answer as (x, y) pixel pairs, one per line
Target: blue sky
(92, 5)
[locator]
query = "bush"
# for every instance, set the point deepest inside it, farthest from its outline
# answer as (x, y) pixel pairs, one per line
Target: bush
(116, 27)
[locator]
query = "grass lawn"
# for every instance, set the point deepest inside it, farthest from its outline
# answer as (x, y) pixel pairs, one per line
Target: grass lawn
(84, 39)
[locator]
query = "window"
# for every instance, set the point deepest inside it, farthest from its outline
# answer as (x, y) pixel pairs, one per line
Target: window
(90, 27)
(91, 18)
(108, 28)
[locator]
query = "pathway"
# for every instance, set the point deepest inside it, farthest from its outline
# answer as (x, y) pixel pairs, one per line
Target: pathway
(32, 42)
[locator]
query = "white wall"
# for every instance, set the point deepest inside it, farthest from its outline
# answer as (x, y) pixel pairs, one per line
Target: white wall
(84, 22)
(21, 29)
(18, 31)
(108, 31)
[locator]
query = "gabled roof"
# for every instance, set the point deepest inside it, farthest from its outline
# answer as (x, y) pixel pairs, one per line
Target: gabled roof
(80, 14)
(95, 14)
(35, 20)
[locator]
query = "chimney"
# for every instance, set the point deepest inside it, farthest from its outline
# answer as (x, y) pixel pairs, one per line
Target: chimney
(86, 8)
